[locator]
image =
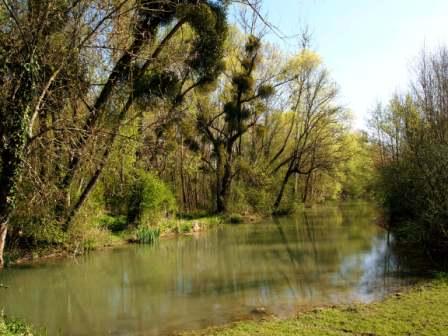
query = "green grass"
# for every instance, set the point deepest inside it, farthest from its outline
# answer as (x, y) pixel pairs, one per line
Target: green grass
(10, 327)
(147, 234)
(422, 311)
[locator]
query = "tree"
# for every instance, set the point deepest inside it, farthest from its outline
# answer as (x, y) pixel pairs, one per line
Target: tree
(235, 117)
(76, 97)
(30, 80)
(315, 124)
(208, 22)
(411, 134)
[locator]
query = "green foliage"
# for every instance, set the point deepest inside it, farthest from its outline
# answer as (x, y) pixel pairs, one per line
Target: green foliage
(358, 174)
(170, 123)
(113, 223)
(165, 84)
(209, 23)
(185, 227)
(243, 82)
(412, 144)
(147, 234)
(150, 199)
(415, 194)
(212, 221)
(9, 327)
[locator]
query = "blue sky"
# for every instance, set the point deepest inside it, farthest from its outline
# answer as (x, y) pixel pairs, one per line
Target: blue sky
(369, 46)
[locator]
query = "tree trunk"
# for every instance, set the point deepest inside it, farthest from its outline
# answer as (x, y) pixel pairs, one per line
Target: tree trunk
(13, 132)
(282, 188)
(94, 178)
(220, 206)
(185, 206)
(307, 188)
(11, 168)
(144, 34)
(225, 187)
(3, 231)
(223, 181)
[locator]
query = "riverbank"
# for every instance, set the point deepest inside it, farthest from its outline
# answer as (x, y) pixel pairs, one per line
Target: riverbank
(423, 310)
(420, 311)
(103, 236)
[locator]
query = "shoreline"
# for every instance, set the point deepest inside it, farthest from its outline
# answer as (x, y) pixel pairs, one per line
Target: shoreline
(183, 228)
(168, 231)
(418, 310)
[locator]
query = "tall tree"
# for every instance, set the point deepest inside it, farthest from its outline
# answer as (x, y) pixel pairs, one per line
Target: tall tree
(69, 75)
(38, 46)
(225, 127)
(311, 99)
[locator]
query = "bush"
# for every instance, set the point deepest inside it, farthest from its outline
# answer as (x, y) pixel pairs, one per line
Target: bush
(253, 191)
(150, 199)
(113, 223)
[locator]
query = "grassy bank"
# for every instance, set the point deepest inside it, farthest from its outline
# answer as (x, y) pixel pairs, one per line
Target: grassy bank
(421, 311)
(112, 232)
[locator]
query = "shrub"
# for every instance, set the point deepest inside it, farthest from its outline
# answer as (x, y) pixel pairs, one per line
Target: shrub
(150, 199)
(113, 223)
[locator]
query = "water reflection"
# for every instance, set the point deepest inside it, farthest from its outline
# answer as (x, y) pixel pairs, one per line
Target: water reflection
(321, 256)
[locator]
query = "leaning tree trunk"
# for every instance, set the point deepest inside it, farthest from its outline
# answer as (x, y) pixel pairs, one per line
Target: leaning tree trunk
(13, 131)
(282, 187)
(306, 192)
(11, 164)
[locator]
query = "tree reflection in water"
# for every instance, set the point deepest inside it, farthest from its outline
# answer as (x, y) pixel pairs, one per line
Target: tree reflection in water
(320, 256)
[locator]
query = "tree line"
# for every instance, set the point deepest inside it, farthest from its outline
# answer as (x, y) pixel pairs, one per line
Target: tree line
(410, 134)
(136, 110)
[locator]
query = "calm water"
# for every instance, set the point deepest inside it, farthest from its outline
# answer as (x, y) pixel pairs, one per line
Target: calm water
(321, 256)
